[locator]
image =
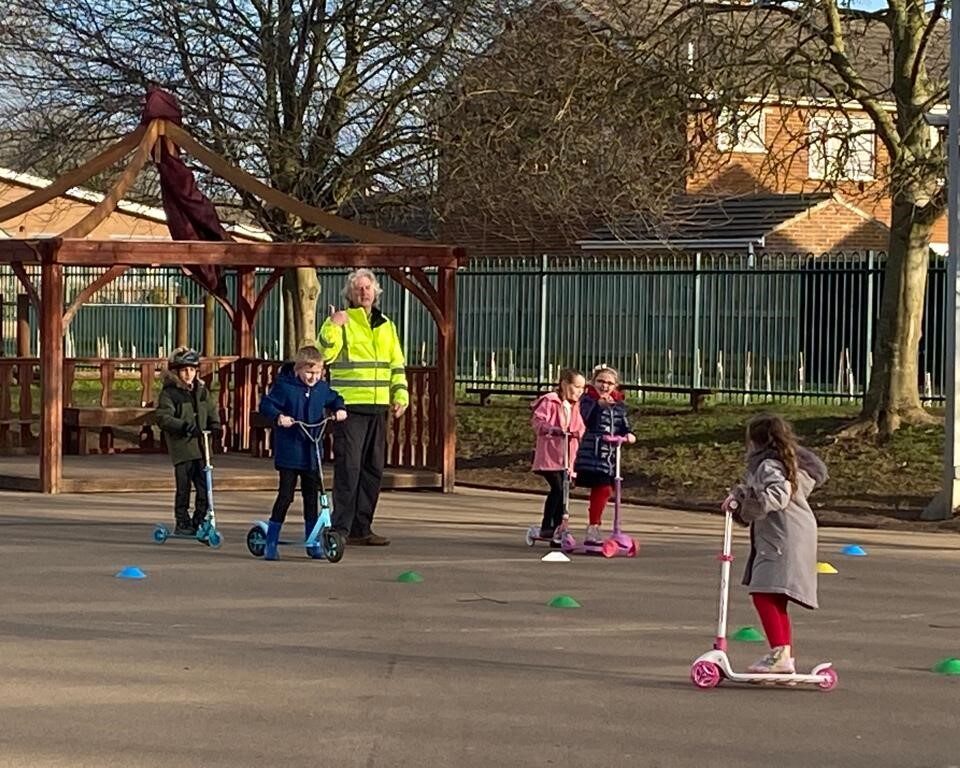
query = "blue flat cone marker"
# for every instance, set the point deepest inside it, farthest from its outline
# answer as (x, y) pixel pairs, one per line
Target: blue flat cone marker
(131, 572)
(948, 667)
(826, 568)
(747, 635)
(854, 550)
(410, 577)
(563, 601)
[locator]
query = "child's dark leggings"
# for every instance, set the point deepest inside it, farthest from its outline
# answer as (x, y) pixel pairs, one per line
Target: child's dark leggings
(772, 610)
(553, 506)
(288, 485)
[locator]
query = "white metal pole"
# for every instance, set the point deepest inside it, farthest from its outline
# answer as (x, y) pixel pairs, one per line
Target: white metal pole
(943, 506)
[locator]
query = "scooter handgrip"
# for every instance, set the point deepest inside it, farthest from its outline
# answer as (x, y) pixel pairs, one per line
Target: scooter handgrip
(616, 439)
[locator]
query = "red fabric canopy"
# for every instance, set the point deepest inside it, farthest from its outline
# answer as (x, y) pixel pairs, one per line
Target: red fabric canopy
(190, 214)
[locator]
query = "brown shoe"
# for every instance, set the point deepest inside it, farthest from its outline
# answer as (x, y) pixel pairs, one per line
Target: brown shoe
(358, 540)
(375, 540)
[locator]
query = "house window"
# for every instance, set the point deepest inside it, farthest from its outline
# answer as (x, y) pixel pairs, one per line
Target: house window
(741, 130)
(841, 148)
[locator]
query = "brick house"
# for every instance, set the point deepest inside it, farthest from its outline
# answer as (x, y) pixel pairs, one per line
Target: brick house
(816, 171)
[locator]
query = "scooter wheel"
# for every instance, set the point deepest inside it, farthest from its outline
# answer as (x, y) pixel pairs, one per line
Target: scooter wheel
(160, 534)
(530, 538)
(829, 679)
(333, 544)
(214, 539)
(633, 549)
(705, 674)
(256, 541)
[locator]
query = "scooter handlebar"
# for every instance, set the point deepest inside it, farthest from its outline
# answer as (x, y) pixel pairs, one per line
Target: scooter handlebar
(615, 439)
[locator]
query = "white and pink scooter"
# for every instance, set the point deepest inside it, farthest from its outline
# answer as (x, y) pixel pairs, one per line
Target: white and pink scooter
(714, 665)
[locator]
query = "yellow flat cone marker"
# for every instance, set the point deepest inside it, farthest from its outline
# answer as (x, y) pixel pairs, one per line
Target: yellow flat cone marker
(826, 568)
(410, 577)
(563, 601)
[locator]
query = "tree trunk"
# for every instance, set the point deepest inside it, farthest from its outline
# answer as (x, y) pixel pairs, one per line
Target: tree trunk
(301, 291)
(894, 395)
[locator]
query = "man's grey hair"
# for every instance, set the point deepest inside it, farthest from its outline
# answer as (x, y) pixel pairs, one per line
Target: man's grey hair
(347, 291)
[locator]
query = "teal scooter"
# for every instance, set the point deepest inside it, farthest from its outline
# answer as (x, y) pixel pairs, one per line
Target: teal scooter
(207, 532)
(323, 543)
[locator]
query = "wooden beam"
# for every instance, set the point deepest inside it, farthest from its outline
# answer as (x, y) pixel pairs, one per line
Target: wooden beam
(274, 278)
(428, 301)
(27, 283)
(13, 251)
(270, 196)
(105, 253)
(51, 374)
(108, 205)
(447, 374)
(75, 177)
(105, 279)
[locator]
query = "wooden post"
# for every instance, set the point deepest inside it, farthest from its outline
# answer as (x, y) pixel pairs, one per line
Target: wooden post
(23, 325)
(244, 384)
(182, 333)
(446, 375)
(209, 326)
(51, 375)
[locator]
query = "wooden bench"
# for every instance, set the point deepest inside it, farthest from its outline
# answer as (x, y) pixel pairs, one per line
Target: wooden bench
(77, 420)
(698, 395)
(487, 392)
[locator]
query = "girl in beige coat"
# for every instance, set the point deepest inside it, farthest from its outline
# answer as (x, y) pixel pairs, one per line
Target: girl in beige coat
(782, 566)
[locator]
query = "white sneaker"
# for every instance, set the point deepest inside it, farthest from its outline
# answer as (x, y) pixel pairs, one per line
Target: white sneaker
(777, 662)
(593, 535)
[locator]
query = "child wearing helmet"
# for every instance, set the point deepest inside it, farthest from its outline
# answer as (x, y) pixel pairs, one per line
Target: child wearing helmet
(185, 409)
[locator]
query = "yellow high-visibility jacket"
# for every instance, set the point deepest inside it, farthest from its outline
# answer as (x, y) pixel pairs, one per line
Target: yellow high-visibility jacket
(365, 359)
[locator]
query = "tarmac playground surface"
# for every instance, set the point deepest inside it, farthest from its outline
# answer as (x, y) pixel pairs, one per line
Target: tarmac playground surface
(219, 659)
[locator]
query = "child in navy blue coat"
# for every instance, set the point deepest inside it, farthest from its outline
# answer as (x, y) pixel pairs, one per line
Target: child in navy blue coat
(298, 394)
(604, 413)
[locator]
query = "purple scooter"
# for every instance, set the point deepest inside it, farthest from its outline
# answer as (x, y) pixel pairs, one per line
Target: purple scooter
(617, 544)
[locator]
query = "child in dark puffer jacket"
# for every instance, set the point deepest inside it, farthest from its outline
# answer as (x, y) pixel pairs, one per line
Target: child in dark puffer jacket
(184, 410)
(604, 413)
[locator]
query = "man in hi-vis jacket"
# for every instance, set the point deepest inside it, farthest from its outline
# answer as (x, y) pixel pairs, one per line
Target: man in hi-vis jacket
(362, 350)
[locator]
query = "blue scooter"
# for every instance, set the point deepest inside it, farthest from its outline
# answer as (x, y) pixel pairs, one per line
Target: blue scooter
(207, 532)
(323, 543)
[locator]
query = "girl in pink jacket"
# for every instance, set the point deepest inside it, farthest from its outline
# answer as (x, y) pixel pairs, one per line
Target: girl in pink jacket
(555, 414)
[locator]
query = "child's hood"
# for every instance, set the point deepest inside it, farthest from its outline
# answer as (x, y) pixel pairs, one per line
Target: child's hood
(549, 397)
(593, 394)
(288, 376)
(171, 379)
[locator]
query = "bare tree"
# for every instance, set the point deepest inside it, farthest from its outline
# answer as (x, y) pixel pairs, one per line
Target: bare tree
(569, 120)
(326, 101)
(889, 65)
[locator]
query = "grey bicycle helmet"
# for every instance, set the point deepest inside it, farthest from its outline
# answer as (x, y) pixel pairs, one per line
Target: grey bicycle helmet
(183, 358)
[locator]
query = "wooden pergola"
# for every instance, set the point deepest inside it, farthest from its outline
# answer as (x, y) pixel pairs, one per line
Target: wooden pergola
(406, 260)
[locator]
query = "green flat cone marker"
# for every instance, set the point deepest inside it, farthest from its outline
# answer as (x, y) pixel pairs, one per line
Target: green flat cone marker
(563, 601)
(947, 667)
(410, 577)
(747, 635)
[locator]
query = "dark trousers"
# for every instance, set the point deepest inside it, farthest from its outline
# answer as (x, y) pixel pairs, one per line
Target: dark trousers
(360, 451)
(188, 473)
(553, 506)
(309, 488)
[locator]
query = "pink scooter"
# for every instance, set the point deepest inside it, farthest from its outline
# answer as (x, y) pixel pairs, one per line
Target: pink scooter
(617, 544)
